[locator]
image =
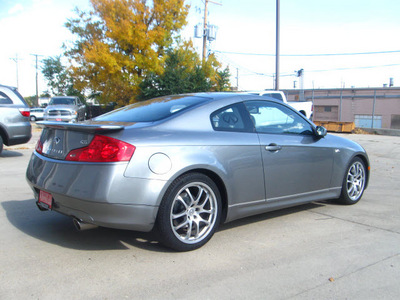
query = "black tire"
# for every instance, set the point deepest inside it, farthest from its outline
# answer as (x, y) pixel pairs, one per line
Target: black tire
(33, 118)
(1, 144)
(189, 213)
(354, 182)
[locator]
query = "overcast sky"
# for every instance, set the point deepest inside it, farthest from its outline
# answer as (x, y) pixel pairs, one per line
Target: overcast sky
(308, 27)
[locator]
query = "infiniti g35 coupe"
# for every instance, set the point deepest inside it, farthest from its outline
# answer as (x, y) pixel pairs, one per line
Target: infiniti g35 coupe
(184, 164)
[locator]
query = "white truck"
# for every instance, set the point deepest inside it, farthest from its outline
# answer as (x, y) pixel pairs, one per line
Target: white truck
(305, 107)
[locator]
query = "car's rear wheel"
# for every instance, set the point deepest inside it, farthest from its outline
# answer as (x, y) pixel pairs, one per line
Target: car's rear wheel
(189, 213)
(33, 118)
(354, 182)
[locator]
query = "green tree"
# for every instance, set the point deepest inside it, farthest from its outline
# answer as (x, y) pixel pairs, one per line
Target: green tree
(56, 75)
(184, 72)
(120, 41)
(223, 80)
(30, 100)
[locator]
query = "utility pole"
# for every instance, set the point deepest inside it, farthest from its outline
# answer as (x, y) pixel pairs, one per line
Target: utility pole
(277, 45)
(205, 27)
(205, 30)
(16, 62)
(37, 86)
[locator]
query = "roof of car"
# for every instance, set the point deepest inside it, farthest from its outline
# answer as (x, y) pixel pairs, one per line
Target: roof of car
(10, 87)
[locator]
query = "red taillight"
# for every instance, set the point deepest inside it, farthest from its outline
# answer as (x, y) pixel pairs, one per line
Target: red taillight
(25, 112)
(103, 149)
(39, 147)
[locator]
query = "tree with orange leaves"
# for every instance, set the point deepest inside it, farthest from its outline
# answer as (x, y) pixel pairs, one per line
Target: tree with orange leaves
(119, 42)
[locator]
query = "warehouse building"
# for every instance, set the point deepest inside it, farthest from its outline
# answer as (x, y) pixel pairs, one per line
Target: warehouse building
(366, 107)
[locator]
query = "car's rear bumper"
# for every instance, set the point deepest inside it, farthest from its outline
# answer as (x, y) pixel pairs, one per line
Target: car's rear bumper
(19, 133)
(97, 193)
(112, 215)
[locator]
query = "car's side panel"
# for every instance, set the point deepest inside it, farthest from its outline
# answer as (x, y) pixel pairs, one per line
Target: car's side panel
(303, 165)
(234, 157)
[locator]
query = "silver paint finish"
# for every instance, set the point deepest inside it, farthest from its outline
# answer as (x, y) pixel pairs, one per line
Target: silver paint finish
(160, 163)
(299, 169)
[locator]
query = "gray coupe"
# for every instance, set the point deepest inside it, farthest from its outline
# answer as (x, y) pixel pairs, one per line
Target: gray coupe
(184, 164)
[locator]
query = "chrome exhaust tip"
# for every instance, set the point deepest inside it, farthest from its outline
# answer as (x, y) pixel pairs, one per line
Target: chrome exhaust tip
(79, 225)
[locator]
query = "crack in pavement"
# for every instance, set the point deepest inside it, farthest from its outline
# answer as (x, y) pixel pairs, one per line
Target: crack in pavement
(354, 222)
(346, 275)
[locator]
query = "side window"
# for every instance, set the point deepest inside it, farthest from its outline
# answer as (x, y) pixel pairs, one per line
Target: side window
(4, 99)
(231, 118)
(270, 117)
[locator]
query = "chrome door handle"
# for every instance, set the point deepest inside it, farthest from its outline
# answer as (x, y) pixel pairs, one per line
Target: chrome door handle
(273, 147)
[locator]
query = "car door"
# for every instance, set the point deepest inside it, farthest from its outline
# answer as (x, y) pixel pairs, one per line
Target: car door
(297, 164)
(239, 154)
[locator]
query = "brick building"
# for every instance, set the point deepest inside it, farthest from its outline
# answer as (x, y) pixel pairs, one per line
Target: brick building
(367, 107)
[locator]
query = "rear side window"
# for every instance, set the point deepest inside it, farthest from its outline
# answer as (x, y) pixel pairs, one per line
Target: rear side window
(231, 118)
(4, 99)
(153, 110)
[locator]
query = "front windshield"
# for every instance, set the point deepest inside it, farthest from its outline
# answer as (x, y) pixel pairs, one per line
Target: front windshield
(152, 110)
(62, 101)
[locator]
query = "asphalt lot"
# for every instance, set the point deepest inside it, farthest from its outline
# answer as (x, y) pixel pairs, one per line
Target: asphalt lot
(315, 251)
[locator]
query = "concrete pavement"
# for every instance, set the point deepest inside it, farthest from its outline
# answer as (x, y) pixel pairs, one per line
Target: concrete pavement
(315, 251)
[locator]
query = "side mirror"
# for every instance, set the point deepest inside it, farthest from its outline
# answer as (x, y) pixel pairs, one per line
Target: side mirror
(321, 131)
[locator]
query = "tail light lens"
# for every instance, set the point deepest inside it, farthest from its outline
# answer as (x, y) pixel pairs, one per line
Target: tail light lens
(103, 149)
(39, 147)
(25, 112)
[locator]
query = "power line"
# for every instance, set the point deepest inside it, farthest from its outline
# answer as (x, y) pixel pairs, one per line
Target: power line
(255, 73)
(355, 68)
(307, 55)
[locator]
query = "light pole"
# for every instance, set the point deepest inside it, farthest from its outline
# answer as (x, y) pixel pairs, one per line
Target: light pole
(16, 62)
(37, 85)
(277, 45)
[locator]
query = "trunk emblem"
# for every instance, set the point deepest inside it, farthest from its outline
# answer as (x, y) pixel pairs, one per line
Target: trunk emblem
(57, 140)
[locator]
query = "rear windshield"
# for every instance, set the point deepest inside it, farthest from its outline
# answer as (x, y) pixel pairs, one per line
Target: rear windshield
(276, 96)
(62, 101)
(153, 110)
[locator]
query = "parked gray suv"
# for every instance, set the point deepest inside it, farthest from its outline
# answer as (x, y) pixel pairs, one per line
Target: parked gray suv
(65, 109)
(15, 127)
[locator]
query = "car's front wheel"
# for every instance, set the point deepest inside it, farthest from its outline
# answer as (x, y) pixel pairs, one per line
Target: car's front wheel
(33, 118)
(189, 213)
(354, 182)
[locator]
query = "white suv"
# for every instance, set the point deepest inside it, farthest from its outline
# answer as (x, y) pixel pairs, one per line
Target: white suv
(15, 127)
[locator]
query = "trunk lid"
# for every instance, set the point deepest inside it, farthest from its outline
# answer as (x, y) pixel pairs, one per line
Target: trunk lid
(58, 139)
